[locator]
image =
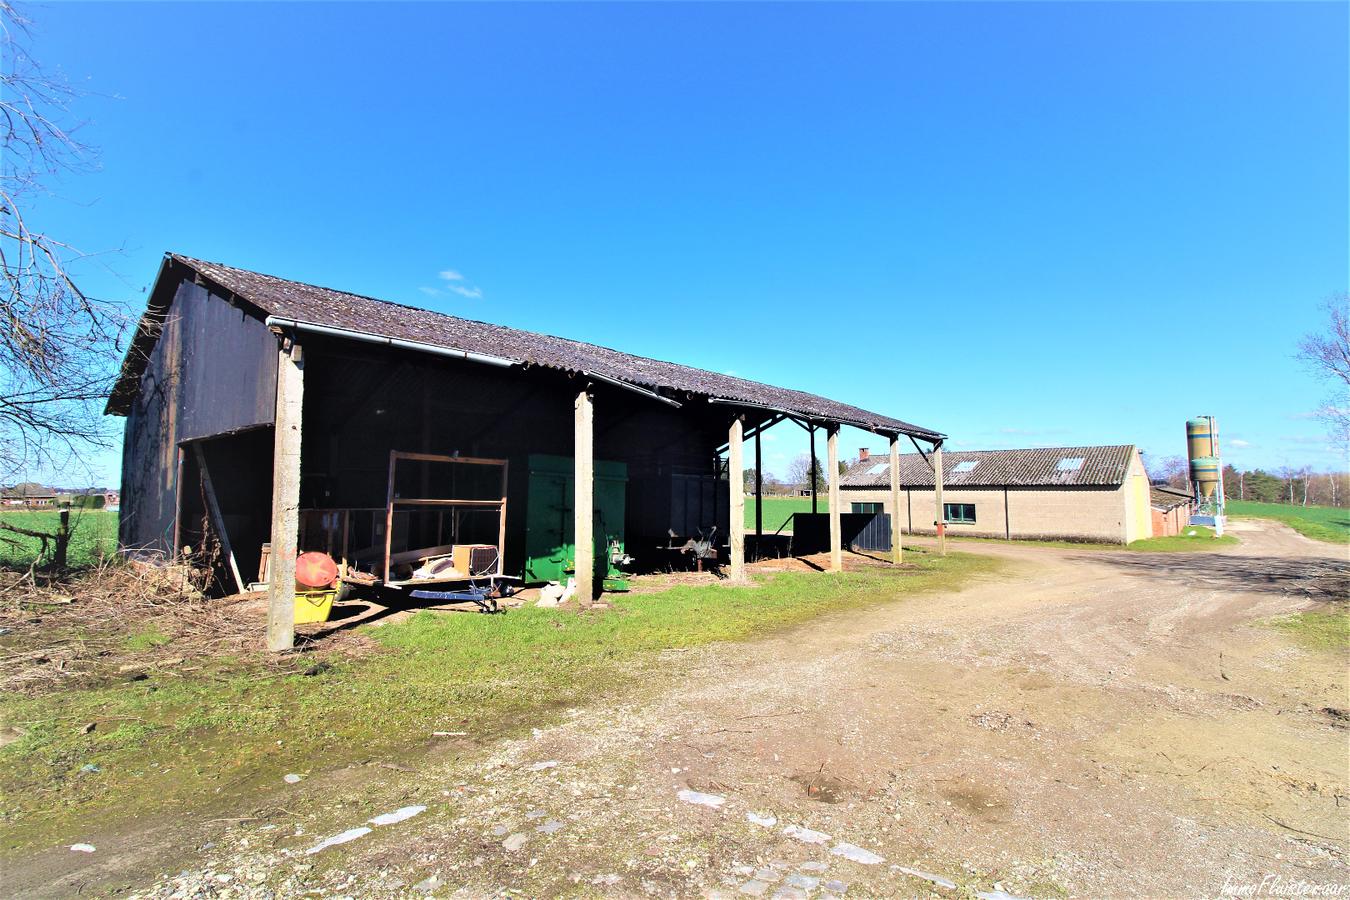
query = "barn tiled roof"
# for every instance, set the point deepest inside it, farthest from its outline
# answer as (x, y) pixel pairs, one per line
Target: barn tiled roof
(1041, 466)
(306, 303)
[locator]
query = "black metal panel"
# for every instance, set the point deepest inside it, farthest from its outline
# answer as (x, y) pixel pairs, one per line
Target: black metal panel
(212, 371)
(876, 534)
(811, 531)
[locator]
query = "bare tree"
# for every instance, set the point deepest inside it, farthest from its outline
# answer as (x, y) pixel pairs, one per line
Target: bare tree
(1175, 470)
(1327, 356)
(800, 472)
(58, 346)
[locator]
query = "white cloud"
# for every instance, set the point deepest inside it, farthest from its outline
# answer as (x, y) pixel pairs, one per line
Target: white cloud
(467, 292)
(731, 372)
(1300, 439)
(451, 275)
(430, 292)
(1019, 431)
(770, 437)
(1239, 444)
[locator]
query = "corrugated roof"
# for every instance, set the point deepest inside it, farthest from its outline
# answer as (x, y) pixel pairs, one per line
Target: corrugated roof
(336, 309)
(1040, 466)
(1167, 499)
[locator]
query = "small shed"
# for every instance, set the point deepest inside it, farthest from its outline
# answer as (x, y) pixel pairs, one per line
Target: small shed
(279, 417)
(1171, 510)
(1096, 494)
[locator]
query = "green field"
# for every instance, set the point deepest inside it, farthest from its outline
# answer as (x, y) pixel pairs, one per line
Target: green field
(777, 510)
(93, 535)
(1322, 523)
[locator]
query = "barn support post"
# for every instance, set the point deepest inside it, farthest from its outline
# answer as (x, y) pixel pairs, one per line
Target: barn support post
(811, 473)
(736, 480)
(897, 552)
(759, 495)
(836, 531)
(285, 496)
(941, 521)
(583, 496)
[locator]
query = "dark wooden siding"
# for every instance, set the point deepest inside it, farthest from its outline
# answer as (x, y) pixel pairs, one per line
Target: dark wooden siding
(213, 371)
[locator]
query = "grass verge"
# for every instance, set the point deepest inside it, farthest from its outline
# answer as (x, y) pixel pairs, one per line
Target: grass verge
(212, 729)
(1201, 541)
(1320, 629)
(1321, 523)
(1195, 539)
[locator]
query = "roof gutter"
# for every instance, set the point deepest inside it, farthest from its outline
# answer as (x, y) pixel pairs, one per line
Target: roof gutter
(631, 387)
(419, 346)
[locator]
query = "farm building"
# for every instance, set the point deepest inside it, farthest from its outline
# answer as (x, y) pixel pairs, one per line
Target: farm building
(28, 494)
(1171, 510)
(268, 418)
(1098, 494)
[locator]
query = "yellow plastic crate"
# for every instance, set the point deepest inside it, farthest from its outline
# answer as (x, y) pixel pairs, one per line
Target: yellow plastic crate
(313, 606)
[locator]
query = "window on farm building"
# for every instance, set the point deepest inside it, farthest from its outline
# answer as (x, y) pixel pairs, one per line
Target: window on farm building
(959, 512)
(868, 508)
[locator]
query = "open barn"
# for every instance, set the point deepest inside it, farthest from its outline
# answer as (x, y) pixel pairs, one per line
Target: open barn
(428, 453)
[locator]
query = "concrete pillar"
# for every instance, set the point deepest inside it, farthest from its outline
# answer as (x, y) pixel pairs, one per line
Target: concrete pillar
(897, 552)
(737, 482)
(836, 531)
(285, 496)
(583, 497)
(937, 499)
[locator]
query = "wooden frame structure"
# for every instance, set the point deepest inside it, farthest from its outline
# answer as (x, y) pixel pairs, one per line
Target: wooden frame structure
(499, 505)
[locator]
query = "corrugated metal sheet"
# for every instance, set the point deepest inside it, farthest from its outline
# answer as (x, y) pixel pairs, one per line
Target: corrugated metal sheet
(1041, 466)
(180, 396)
(1166, 499)
(336, 309)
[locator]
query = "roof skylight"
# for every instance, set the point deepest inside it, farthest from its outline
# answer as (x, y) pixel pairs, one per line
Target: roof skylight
(1070, 464)
(967, 466)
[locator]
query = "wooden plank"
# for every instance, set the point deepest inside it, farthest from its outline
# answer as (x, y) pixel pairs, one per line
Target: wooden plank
(404, 501)
(736, 480)
(431, 457)
(413, 555)
(285, 497)
(583, 495)
(346, 533)
(836, 530)
(217, 520)
(897, 552)
(389, 516)
(501, 525)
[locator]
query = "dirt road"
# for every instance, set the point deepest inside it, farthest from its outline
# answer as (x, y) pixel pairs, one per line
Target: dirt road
(1087, 723)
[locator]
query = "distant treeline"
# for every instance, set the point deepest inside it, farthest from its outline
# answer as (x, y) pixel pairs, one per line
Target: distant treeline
(1296, 487)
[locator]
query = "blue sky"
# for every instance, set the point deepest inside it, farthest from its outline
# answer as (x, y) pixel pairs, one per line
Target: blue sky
(1019, 224)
